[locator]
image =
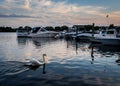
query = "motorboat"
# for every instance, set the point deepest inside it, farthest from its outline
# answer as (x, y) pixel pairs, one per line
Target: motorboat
(37, 32)
(108, 37)
(21, 32)
(84, 36)
(71, 35)
(42, 32)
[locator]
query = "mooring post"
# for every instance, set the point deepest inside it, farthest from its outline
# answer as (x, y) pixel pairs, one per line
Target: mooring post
(93, 29)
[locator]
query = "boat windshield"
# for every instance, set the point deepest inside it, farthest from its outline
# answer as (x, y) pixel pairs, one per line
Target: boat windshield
(110, 32)
(103, 32)
(35, 30)
(43, 30)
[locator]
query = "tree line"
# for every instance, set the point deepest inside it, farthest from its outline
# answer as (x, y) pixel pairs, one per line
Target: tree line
(58, 28)
(7, 29)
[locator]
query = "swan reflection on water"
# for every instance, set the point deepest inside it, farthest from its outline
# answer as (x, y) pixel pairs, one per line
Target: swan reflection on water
(36, 67)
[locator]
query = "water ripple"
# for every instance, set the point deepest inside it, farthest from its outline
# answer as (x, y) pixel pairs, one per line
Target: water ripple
(12, 68)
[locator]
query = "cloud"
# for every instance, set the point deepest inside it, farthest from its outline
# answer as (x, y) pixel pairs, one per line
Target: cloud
(26, 5)
(48, 12)
(115, 14)
(15, 15)
(114, 17)
(45, 2)
(36, 6)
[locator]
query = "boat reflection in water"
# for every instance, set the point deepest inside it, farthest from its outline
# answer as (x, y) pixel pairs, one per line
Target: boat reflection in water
(38, 42)
(23, 41)
(105, 50)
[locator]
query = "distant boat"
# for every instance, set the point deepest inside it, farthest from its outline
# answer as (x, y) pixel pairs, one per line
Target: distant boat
(72, 35)
(109, 37)
(42, 32)
(37, 32)
(21, 32)
(84, 36)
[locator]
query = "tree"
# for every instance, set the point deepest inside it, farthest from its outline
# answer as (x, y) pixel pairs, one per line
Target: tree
(49, 28)
(88, 27)
(111, 26)
(64, 28)
(7, 29)
(57, 28)
(28, 28)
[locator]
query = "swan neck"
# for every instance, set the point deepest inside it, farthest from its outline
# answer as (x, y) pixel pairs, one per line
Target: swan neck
(43, 59)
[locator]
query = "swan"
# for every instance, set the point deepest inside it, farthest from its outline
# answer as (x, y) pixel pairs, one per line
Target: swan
(35, 62)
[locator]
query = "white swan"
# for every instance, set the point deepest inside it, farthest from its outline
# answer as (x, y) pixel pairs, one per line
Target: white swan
(36, 62)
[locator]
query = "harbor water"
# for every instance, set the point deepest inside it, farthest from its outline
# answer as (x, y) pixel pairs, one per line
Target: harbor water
(68, 63)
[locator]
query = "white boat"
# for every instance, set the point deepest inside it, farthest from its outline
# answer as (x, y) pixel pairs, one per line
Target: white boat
(71, 34)
(37, 32)
(85, 36)
(21, 32)
(109, 37)
(41, 32)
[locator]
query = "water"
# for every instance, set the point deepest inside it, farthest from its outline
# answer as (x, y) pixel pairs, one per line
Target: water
(68, 63)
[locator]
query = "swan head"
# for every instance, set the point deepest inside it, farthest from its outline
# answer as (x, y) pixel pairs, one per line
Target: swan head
(44, 55)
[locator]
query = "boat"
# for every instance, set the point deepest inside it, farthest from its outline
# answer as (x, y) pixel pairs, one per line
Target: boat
(69, 35)
(72, 35)
(42, 32)
(23, 32)
(37, 32)
(108, 37)
(84, 36)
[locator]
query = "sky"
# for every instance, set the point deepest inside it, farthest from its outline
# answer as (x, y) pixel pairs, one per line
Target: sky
(17, 13)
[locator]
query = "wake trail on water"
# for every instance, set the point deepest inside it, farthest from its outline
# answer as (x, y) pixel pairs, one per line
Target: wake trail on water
(12, 68)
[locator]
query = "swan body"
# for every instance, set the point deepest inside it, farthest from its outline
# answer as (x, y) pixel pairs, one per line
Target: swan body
(36, 62)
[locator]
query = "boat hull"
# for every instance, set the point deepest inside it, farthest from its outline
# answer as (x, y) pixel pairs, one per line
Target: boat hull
(22, 34)
(44, 34)
(106, 41)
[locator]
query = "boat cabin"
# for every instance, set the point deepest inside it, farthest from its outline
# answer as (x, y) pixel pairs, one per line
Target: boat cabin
(38, 29)
(111, 32)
